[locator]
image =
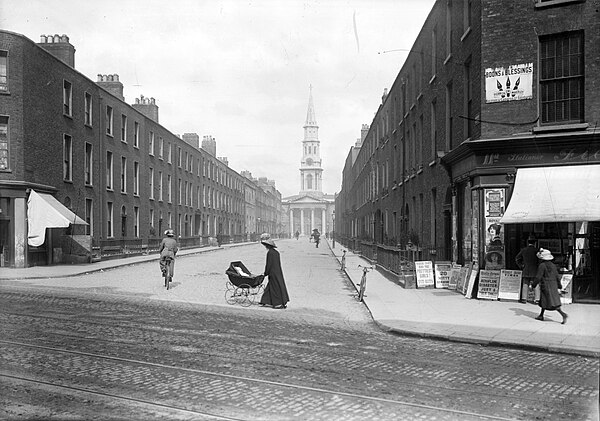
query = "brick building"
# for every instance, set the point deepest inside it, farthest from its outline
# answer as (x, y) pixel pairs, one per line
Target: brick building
(487, 137)
(109, 163)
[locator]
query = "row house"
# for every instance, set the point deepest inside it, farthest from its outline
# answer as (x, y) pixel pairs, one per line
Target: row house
(487, 137)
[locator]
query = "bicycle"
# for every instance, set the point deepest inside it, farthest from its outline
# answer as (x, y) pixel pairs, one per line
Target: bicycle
(169, 264)
(363, 281)
(343, 260)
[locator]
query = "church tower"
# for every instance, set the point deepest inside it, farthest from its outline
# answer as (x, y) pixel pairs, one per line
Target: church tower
(310, 166)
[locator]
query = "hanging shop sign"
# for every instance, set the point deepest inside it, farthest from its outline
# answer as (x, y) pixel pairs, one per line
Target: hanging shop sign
(442, 274)
(512, 83)
(424, 271)
(489, 281)
(510, 284)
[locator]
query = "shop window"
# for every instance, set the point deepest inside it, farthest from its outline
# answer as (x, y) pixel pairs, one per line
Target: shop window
(4, 142)
(561, 78)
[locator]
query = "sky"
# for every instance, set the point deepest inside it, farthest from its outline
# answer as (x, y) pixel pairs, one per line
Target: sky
(240, 71)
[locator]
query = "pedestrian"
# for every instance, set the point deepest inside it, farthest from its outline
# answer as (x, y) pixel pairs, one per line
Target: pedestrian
(168, 250)
(297, 234)
(275, 294)
(548, 278)
(527, 261)
(317, 236)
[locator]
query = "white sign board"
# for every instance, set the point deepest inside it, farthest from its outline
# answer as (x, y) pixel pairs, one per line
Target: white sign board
(442, 274)
(511, 83)
(566, 284)
(454, 275)
(424, 271)
(488, 284)
(510, 284)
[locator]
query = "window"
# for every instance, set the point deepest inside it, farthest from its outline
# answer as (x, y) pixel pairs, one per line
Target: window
(151, 177)
(433, 130)
(161, 147)
(561, 79)
(123, 174)
(467, 16)
(448, 29)
(169, 154)
(109, 221)
(136, 178)
(3, 71)
(179, 157)
(123, 128)
(468, 98)
(109, 170)
(151, 143)
(67, 98)
(449, 116)
(151, 217)
(109, 120)
(88, 109)
(160, 186)
(136, 134)
(169, 188)
(180, 191)
(136, 221)
(3, 143)
(433, 53)
(67, 158)
(88, 164)
(89, 216)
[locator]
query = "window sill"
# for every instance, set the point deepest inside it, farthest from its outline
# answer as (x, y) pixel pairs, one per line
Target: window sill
(432, 163)
(419, 96)
(561, 127)
(109, 135)
(543, 4)
(89, 185)
(433, 78)
(448, 59)
(89, 126)
(466, 34)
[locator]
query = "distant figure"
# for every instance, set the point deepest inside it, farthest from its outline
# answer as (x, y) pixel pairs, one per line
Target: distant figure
(168, 250)
(317, 236)
(276, 294)
(527, 261)
(548, 278)
(297, 234)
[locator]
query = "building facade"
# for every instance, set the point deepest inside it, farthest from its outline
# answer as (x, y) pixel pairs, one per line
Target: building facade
(487, 135)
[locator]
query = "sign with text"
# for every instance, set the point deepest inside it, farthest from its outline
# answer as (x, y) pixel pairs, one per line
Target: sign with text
(510, 284)
(489, 281)
(566, 284)
(454, 275)
(424, 271)
(471, 282)
(512, 83)
(442, 274)
(463, 277)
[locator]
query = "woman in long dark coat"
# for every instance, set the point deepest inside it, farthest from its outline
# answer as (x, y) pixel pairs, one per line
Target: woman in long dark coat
(548, 278)
(275, 294)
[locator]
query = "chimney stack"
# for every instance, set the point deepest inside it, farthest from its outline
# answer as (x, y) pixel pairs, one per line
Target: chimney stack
(147, 106)
(192, 139)
(59, 46)
(209, 144)
(111, 84)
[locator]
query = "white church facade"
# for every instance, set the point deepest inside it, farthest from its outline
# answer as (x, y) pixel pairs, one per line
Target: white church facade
(311, 208)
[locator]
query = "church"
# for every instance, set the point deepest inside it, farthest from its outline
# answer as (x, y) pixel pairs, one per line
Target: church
(311, 208)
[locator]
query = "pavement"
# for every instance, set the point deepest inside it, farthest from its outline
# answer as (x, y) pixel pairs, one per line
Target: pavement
(424, 312)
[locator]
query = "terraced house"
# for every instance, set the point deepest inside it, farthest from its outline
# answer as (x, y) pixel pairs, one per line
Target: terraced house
(488, 136)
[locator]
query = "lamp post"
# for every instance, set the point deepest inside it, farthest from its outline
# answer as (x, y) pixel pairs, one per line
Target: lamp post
(333, 231)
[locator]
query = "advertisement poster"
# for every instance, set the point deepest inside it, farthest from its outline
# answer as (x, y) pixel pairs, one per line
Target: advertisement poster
(566, 282)
(463, 277)
(471, 282)
(510, 284)
(454, 275)
(489, 281)
(424, 271)
(442, 274)
(512, 83)
(494, 240)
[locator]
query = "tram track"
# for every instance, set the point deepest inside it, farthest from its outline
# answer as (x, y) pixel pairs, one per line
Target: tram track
(293, 387)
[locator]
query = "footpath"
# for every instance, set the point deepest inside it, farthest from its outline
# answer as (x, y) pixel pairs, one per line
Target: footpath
(424, 312)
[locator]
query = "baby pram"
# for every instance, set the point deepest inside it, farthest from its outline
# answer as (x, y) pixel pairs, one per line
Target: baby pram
(242, 287)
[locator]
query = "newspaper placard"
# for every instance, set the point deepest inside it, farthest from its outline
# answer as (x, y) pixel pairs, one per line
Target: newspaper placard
(454, 275)
(566, 283)
(424, 271)
(442, 274)
(471, 282)
(463, 277)
(489, 281)
(510, 284)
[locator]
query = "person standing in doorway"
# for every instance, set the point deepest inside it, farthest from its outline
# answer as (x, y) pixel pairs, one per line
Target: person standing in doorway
(276, 294)
(548, 279)
(527, 261)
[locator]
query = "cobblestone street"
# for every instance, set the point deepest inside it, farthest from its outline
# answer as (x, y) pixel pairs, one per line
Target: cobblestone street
(117, 345)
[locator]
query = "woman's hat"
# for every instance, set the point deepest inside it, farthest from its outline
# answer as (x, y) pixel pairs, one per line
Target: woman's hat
(544, 254)
(169, 233)
(265, 236)
(269, 242)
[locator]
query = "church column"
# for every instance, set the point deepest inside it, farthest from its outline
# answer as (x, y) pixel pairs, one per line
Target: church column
(312, 219)
(302, 221)
(323, 225)
(291, 222)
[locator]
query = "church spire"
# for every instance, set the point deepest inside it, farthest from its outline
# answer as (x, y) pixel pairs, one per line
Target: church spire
(310, 166)
(311, 120)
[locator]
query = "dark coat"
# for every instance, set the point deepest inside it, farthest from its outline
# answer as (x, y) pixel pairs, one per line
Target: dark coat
(548, 278)
(527, 260)
(276, 293)
(168, 247)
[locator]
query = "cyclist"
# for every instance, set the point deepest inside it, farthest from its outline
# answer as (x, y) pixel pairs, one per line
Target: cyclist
(168, 250)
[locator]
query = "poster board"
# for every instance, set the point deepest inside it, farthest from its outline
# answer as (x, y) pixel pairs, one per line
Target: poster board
(510, 284)
(489, 282)
(454, 275)
(442, 274)
(471, 280)
(424, 271)
(566, 282)
(463, 277)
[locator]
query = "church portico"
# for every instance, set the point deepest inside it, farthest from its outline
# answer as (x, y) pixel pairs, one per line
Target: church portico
(304, 217)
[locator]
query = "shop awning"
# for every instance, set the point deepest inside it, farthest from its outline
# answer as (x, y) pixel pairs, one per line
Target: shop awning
(44, 211)
(555, 194)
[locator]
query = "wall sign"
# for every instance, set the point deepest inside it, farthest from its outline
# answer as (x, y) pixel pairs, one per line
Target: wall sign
(512, 83)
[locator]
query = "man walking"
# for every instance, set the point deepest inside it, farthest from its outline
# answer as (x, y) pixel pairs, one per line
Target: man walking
(527, 261)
